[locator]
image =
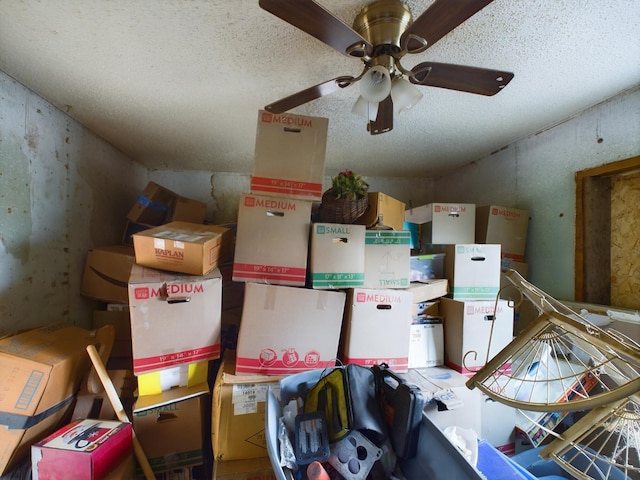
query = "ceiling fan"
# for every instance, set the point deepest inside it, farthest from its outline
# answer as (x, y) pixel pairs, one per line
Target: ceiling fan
(382, 33)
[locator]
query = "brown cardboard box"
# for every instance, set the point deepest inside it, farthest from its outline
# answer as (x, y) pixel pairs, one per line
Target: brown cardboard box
(289, 156)
(169, 427)
(183, 247)
(175, 318)
(248, 469)
(238, 413)
(383, 210)
(504, 225)
(106, 273)
(41, 371)
(157, 205)
(272, 243)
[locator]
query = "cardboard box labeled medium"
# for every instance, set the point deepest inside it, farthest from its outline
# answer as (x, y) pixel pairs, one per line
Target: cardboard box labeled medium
(473, 271)
(475, 331)
(377, 328)
(41, 371)
(183, 247)
(503, 225)
(175, 318)
(90, 449)
(169, 427)
(337, 255)
(387, 259)
(382, 211)
(444, 223)
(238, 413)
(157, 205)
(272, 240)
(106, 273)
(287, 330)
(289, 156)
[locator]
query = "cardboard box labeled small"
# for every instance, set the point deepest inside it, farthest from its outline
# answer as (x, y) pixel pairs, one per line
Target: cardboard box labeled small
(289, 156)
(183, 247)
(175, 318)
(287, 330)
(337, 255)
(469, 339)
(238, 414)
(473, 271)
(383, 211)
(503, 225)
(41, 371)
(427, 267)
(106, 273)
(444, 223)
(187, 375)
(157, 205)
(272, 241)
(169, 427)
(90, 449)
(386, 259)
(426, 345)
(377, 328)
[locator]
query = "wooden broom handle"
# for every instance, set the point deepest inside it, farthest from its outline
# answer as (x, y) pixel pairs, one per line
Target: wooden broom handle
(119, 409)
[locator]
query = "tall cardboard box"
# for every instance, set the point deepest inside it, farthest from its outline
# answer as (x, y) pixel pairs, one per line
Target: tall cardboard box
(387, 256)
(175, 318)
(170, 429)
(444, 223)
(287, 330)
(106, 273)
(474, 332)
(473, 271)
(289, 155)
(337, 255)
(504, 225)
(41, 371)
(183, 247)
(383, 211)
(272, 240)
(238, 413)
(377, 328)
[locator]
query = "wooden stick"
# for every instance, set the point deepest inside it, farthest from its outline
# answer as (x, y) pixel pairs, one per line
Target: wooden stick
(110, 390)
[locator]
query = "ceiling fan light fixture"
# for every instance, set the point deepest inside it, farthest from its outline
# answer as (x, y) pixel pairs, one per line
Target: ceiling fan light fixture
(375, 85)
(368, 110)
(404, 95)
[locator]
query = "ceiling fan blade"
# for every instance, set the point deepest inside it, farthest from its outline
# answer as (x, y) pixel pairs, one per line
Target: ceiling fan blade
(309, 94)
(384, 121)
(438, 20)
(317, 21)
(482, 81)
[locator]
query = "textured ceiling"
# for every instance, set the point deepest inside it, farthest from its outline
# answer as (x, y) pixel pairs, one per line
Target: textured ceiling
(177, 84)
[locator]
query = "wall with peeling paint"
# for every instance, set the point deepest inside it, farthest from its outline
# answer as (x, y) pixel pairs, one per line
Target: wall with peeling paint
(538, 173)
(63, 190)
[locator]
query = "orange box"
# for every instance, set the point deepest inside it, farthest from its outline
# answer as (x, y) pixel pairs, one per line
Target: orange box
(106, 272)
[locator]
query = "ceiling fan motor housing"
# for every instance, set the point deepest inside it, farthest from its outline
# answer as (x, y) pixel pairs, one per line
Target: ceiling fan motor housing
(382, 23)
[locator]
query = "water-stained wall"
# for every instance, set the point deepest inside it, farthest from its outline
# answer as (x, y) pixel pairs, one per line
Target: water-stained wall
(62, 191)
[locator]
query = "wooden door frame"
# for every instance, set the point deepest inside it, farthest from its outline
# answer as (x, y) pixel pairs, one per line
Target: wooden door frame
(593, 190)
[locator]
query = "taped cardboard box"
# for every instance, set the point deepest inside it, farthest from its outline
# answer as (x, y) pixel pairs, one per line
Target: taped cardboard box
(175, 318)
(157, 205)
(337, 255)
(272, 242)
(106, 273)
(41, 371)
(287, 330)
(238, 413)
(91, 449)
(289, 156)
(183, 247)
(382, 211)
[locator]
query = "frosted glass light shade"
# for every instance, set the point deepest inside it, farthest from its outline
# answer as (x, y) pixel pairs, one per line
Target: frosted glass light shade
(375, 85)
(368, 110)
(404, 95)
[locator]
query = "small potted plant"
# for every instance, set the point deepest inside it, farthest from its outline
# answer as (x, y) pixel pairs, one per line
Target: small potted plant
(346, 200)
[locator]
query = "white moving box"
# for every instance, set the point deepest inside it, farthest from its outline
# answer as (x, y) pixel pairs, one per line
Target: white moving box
(473, 271)
(287, 330)
(337, 255)
(272, 240)
(377, 328)
(387, 258)
(175, 318)
(504, 225)
(444, 223)
(289, 155)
